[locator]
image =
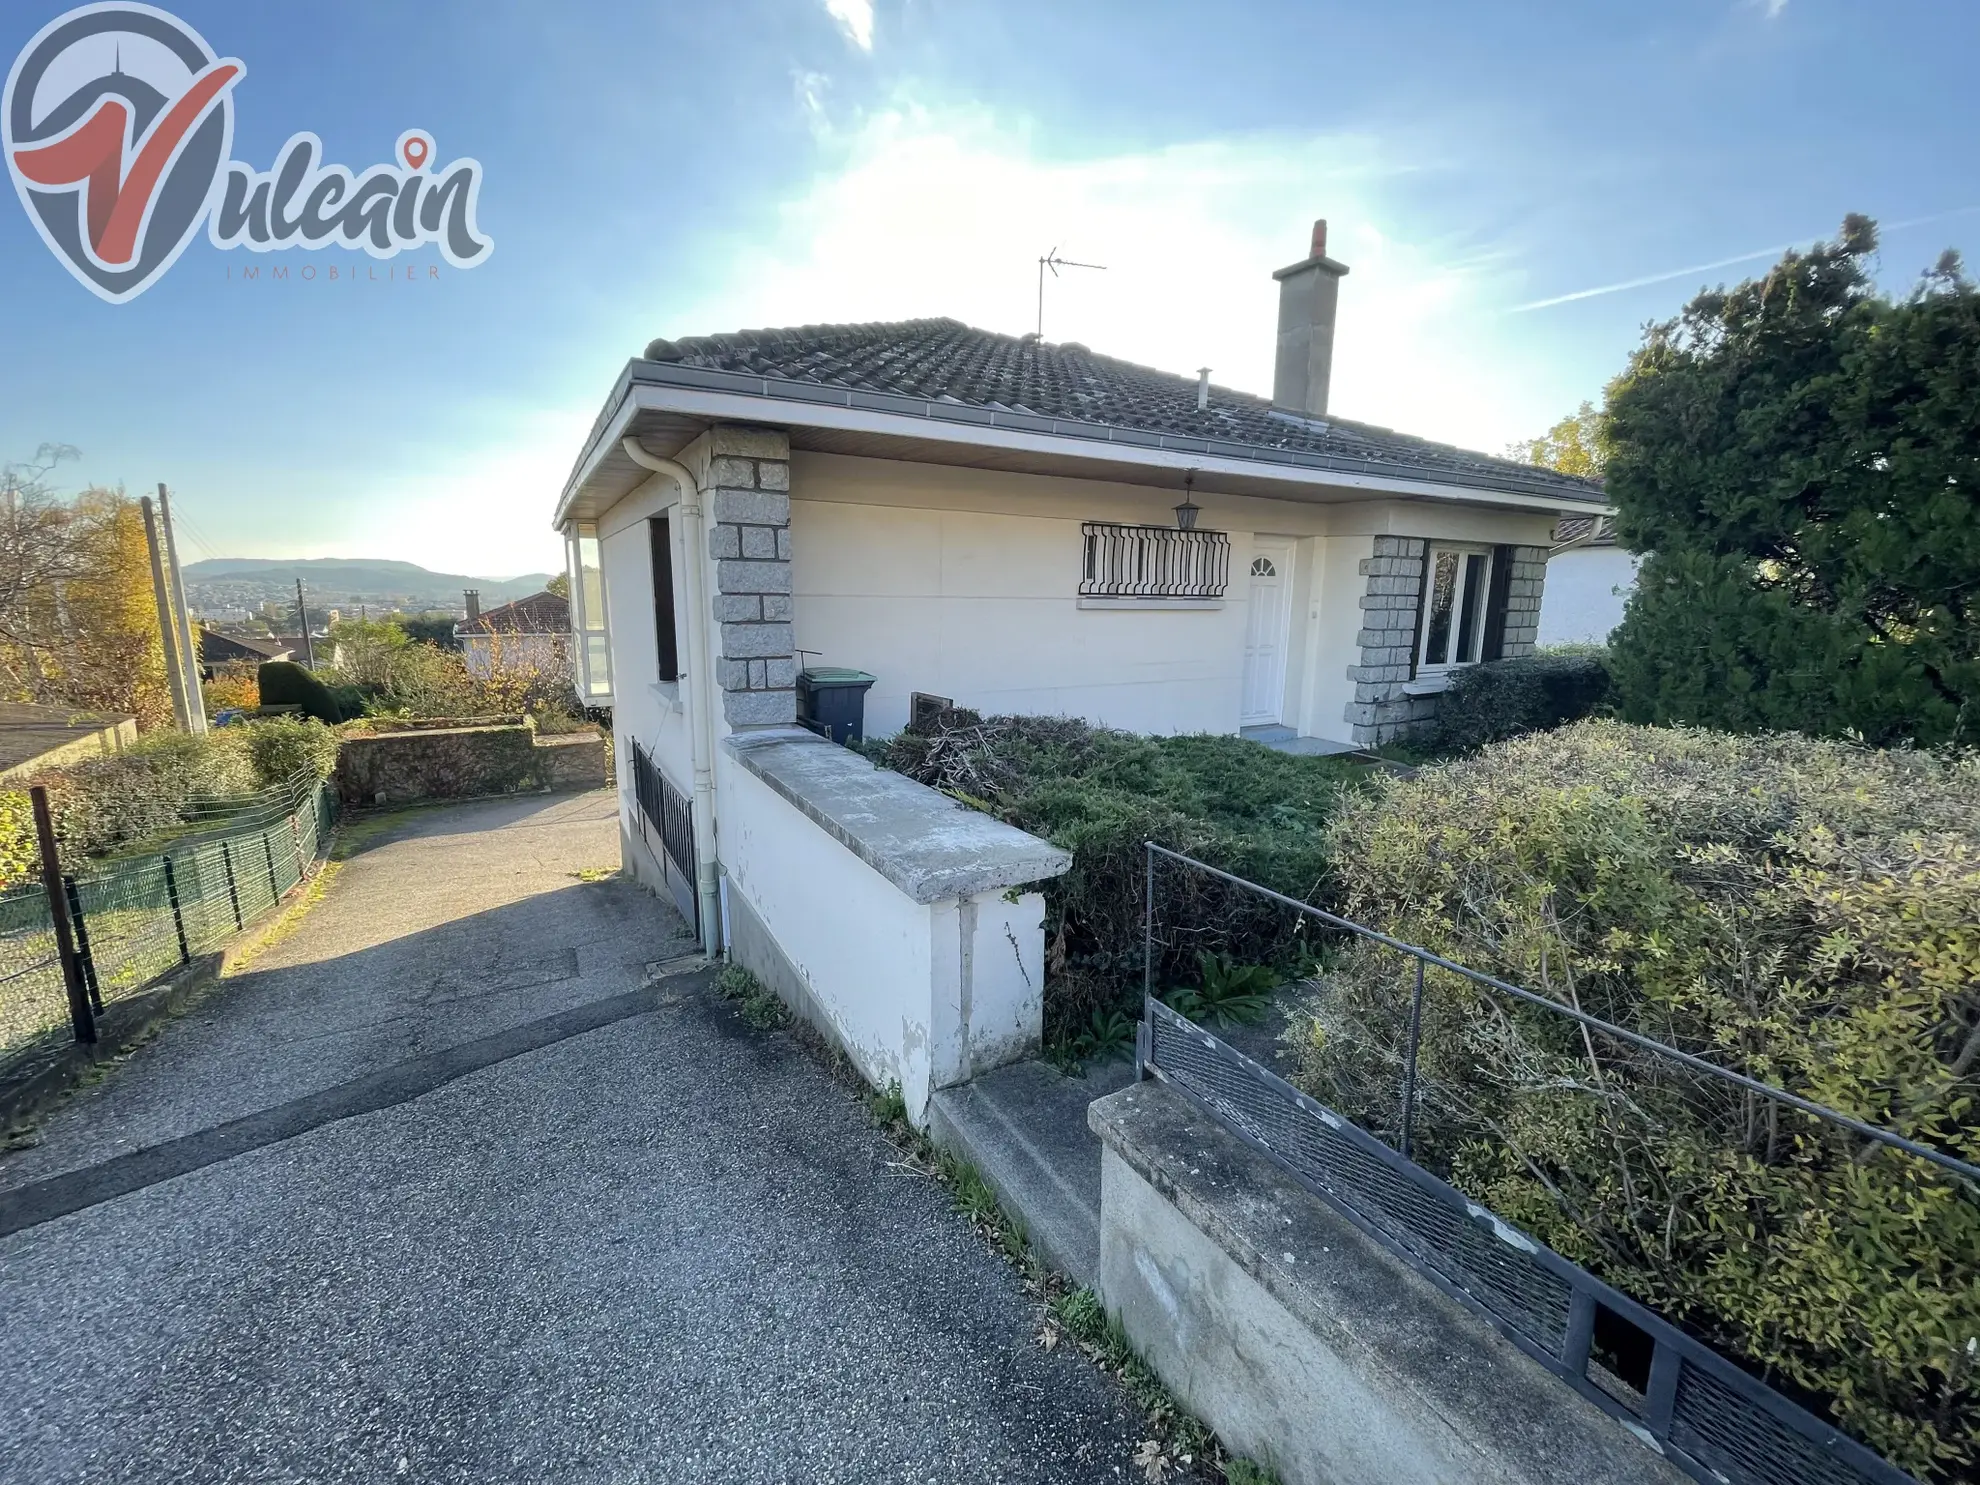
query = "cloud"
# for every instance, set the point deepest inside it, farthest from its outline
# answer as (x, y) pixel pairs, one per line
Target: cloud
(1775, 7)
(946, 212)
(855, 18)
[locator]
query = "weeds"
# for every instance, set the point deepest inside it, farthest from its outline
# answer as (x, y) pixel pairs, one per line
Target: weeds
(1229, 991)
(1109, 1034)
(756, 1002)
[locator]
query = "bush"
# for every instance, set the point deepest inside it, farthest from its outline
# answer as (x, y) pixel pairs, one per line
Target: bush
(1100, 794)
(1801, 911)
(285, 683)
(233, 687)
(280, 748)
(1503, 698)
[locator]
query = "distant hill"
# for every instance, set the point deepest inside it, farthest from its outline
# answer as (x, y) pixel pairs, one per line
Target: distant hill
(248, 582)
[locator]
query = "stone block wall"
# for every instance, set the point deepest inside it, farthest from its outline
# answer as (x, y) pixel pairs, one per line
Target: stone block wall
(749, 543)
(1529, 577)
(1383, 710)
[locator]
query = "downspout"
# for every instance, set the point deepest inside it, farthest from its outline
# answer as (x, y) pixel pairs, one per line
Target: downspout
(701, 722)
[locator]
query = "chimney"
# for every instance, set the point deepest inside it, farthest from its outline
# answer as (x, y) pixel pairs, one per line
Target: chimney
(473, 597)
(1202, 387)
(1308, 292)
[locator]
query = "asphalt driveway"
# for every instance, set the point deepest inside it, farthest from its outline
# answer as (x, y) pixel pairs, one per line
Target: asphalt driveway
(459, 1183)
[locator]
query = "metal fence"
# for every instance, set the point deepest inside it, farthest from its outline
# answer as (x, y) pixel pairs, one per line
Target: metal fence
(670, 813)
(136, 918)
(1707, 1414)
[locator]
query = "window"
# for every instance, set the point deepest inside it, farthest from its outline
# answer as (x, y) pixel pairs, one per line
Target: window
(1262, 567)
(663, 598)
(594, 645)
(1457, 583)
(1153, 562)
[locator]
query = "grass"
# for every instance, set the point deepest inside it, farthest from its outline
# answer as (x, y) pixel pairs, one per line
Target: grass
(595, 873)
(757, 1002)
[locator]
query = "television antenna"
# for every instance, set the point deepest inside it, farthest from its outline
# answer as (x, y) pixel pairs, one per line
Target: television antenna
(1053, 261)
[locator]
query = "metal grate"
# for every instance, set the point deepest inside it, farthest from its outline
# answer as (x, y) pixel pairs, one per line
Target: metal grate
(1153, 562)
(34, 1007)
(670, 813)
(1716, 1421)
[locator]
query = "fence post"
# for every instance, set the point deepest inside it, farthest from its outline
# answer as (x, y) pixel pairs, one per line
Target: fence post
(233, 892)
(178, 915)
(81, 1017)
(1409, 1063)
(1144, 1034)
(295, 838)
(83, 952)
(268, 850)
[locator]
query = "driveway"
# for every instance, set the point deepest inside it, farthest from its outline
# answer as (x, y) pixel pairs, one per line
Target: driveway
(458, 1183)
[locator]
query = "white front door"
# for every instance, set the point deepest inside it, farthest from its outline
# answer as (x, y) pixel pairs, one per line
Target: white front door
(1267, 624)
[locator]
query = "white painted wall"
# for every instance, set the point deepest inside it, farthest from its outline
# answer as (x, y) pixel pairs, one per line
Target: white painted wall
(920, 994)
(1585, 593)
(964, 583)
(484, 654)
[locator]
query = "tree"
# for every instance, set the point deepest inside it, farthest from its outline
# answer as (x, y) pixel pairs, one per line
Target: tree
(433, 627)
(1572, 446)
(366, 652)
(1800, 456)
(560, 585)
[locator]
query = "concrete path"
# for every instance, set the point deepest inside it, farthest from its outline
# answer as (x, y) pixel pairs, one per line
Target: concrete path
(451, 1186)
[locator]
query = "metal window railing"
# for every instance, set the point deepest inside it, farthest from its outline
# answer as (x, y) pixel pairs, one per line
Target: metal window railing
(1153, 562)
(1717, 1421)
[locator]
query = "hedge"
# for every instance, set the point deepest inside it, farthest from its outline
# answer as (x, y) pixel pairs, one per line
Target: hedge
(1806, 912)
(1100, 794)
(1504, 698)
(285, 683)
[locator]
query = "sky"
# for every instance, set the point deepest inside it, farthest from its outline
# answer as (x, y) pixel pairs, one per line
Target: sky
(1517, 186)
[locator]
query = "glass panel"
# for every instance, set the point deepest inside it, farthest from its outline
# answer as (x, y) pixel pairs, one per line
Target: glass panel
(597, 666)
(1262, 567)
(1437, 610)
(575, 580)
(591, 582)
(1469, 626)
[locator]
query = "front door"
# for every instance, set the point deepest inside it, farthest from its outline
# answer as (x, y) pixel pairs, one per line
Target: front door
(1267, 624)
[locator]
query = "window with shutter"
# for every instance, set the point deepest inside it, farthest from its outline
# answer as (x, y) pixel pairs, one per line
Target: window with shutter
(1458, 582)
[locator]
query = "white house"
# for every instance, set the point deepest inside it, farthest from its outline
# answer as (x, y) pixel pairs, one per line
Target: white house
(530, 634)
(1589, 580)
(1014, 526)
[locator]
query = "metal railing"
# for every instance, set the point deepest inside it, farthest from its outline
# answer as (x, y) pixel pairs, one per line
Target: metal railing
(1153, 562)
(1707, 1414)
(132, 919)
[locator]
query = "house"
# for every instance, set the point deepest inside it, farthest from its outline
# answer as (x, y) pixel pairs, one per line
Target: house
(532, 633)
(1589, 580)
(217, 648)
(1010, 525)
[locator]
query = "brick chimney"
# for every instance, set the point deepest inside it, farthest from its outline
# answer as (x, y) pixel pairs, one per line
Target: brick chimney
(1308, 292)
(473, 597)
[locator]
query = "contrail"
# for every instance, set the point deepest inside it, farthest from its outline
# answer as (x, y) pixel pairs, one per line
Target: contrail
(1767, 252)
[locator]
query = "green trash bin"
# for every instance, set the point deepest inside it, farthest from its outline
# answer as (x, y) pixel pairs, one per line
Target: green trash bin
(832, 702)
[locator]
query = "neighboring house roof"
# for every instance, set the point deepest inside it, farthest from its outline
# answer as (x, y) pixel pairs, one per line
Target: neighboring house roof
(962, 374)
(34, 737)
(216, 648)
(540, 613)
(1584, 531)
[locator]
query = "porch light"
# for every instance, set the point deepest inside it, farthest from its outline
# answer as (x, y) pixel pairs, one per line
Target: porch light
(1186, 512)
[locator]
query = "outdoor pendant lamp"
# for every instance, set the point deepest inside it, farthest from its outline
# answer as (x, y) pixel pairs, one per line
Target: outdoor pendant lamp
(1186, 512)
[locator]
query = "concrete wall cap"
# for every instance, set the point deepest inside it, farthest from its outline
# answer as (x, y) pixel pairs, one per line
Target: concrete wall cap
(925, 843)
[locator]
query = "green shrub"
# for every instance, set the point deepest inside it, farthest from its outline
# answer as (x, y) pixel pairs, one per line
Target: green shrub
(1100, 794)
(1503, 698)
(281, 748)
(114, 801)
(285, 683)
(1802, 911)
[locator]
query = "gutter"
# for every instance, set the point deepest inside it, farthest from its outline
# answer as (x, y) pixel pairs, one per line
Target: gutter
(701, 734)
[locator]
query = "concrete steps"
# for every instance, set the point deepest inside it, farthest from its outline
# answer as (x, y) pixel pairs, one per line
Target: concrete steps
(1024, 1127)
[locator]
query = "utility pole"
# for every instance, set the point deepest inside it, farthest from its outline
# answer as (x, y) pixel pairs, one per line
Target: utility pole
(167, 630)
(183, 613)
(302, 620)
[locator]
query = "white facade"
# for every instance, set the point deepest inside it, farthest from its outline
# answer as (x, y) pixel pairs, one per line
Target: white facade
(1587, 588)
(485, 654)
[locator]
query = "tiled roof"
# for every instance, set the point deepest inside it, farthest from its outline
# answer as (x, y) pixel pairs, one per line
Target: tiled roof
(944, 360)
(540, 613)
(217, 647)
